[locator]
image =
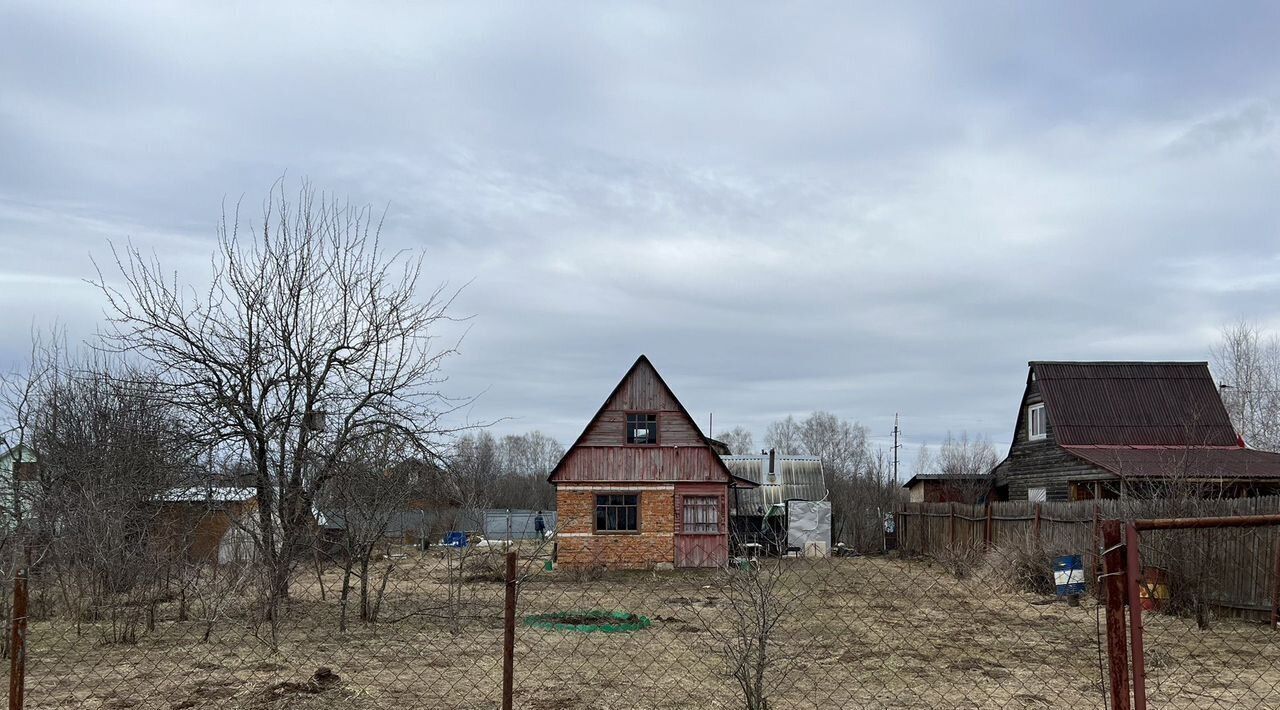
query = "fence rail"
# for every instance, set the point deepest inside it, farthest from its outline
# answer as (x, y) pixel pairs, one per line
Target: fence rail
(1245, 587)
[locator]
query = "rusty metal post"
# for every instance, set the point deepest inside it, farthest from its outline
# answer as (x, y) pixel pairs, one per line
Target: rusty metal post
(18, 642)
(509, 635)
(1133, 582)
(1113, 578)
(1097, 540)
(1275, 589)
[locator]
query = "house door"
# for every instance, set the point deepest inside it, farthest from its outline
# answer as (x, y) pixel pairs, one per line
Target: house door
(702, 538)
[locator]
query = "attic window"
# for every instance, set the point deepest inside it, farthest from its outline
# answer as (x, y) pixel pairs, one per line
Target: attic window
(642, 429)
(1036, 427)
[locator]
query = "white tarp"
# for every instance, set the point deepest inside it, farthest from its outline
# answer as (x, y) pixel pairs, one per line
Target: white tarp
(809, 526)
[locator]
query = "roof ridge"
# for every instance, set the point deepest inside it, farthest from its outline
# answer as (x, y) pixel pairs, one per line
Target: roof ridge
(1117, 362)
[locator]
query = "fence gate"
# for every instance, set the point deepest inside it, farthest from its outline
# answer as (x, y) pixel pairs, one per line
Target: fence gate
(1191, 612)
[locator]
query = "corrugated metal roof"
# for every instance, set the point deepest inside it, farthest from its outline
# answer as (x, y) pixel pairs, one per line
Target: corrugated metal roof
(794, 478)
(214, 494)
(1181, 462)
(1133, 403)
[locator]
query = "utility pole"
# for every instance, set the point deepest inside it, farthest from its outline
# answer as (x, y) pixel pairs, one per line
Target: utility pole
(896, 446)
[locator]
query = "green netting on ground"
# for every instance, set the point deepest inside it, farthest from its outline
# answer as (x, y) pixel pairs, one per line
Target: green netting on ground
(609, 622)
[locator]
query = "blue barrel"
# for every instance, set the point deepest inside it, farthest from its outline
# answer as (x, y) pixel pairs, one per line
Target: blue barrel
(1068, 575)
(455, 538)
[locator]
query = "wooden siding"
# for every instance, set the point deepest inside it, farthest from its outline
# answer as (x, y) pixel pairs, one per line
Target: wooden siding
(701, 549)
(601, 454)
(643, 391)
(1041, 463)
(640, 464)
(610, 428)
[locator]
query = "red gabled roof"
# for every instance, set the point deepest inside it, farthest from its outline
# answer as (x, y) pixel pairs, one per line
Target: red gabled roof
(729, 477)
(1188, 462)
(1133, 404)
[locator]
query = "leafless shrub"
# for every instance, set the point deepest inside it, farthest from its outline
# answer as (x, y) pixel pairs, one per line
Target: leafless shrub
(745, 628)
(960, 560)
(1020, 565)
(216, 589)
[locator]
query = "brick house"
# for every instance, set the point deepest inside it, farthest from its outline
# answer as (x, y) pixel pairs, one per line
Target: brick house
(643, 487)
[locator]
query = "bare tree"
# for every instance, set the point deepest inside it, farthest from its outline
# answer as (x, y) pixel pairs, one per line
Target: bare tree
(308, 338)
(739, 441)
(967, 464)
(109, 448)
(840, 443)
(1246, 361)
(784, 435)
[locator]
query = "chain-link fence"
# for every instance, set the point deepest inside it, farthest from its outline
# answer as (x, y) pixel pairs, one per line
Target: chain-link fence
(1206, 593)
(972, 623)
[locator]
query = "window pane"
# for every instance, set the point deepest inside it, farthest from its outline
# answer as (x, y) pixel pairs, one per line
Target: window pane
(642, 429)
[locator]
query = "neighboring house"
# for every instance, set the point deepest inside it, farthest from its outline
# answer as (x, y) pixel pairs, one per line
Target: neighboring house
(642, 487)
(17, 476)
(759, 514)
(948, 488)
(207, 523)
(1111, 429)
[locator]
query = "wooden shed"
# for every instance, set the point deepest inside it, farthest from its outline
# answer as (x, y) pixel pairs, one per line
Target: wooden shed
(643, 487)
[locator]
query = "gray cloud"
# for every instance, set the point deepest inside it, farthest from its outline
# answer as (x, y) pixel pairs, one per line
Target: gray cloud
(865, 210)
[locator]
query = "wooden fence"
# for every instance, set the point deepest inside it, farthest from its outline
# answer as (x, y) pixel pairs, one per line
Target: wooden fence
(1239, 563)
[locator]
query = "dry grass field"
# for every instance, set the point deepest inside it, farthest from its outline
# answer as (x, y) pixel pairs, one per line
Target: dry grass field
(858, 633)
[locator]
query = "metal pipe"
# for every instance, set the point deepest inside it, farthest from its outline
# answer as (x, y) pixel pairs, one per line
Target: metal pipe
(1238, 521)
(1275, 589)
(509, 636)
(18, 642)
(1133, 580)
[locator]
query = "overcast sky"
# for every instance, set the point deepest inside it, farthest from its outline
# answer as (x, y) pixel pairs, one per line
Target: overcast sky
(869, 210)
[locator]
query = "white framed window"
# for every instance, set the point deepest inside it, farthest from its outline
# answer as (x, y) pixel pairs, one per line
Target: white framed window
(1036, 423)
(1037, 495)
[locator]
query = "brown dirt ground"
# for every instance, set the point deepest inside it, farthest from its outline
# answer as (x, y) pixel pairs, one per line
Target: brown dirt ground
(868, 632)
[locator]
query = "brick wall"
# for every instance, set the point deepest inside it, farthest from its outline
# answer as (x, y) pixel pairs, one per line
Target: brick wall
(580, 547)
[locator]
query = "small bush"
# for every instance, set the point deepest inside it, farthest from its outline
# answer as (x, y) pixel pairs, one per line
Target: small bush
(1020, 567)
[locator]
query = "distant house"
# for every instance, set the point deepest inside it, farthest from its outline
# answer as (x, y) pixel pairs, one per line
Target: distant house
(643, 487)
(18, 476)
(759, 513)
(948, 488)
(207, 523)
(1111, 429)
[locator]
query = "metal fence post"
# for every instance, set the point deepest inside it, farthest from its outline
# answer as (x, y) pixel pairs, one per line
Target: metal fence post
(509, 635)
(1036, 524)
(1133, 582)
(1113, 578)
(1275, 588)
(18, 641)
(952, 532)
(989, 531)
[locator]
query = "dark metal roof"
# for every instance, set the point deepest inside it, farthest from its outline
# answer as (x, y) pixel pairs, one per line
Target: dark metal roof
(1133, 403)
(794, 478)
(926, 477)
(1181, 462)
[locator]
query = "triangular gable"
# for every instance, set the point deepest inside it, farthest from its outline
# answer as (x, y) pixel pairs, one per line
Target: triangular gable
(665, 394)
